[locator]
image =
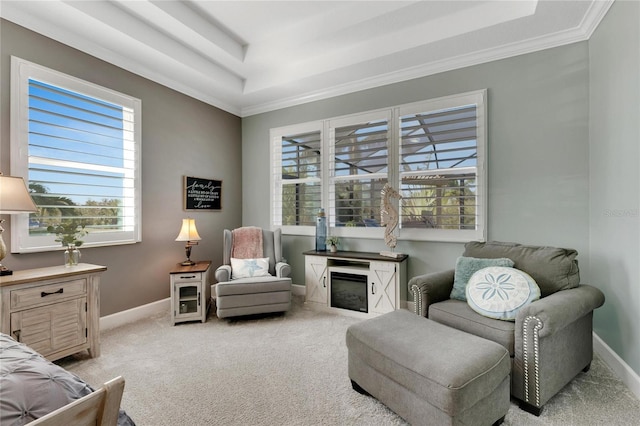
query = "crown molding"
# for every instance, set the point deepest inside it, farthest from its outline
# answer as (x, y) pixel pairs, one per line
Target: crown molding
(582, 32)
(246, 105)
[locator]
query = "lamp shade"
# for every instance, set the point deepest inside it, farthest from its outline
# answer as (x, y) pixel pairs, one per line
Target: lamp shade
(188, 232)
(14, 196)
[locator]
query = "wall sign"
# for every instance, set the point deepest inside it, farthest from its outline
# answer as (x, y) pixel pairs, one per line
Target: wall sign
(202, 194)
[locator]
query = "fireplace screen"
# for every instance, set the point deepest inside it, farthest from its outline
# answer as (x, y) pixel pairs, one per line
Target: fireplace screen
(349, 291)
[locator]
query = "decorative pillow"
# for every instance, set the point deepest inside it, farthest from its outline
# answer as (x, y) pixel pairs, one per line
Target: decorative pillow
(499, 292)
(246, 268)
(467, 266)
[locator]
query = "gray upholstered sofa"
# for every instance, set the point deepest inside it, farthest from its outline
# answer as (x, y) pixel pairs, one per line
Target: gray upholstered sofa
(253, 295)
(550, 341)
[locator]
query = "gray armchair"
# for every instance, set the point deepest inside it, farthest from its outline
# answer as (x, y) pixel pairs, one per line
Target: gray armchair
(550, 341)
(253, 294)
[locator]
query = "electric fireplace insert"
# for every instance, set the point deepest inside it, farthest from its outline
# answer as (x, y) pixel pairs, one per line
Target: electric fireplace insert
(349, 290)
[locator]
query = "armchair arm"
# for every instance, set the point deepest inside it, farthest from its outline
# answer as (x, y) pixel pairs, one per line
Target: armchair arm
(561, 308)
(553, 342)
(223, 273)
(283, 270)
(430, 288)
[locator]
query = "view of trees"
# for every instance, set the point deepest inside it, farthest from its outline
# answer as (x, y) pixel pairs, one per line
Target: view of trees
(60, 211)
(448, 206)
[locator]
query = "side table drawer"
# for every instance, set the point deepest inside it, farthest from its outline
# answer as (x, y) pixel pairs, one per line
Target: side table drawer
(51, 293)
(187, 277)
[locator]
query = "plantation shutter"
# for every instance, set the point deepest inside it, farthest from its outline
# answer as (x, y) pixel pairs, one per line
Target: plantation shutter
(431, 152)
(438, 162)
(81, 161)
(297, 173)
(358, 168)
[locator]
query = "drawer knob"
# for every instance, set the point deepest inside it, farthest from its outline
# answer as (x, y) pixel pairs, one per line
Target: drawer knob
(44, 293)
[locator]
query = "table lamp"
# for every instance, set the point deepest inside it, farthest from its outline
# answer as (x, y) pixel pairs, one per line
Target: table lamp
(14, 198)
(188, 233)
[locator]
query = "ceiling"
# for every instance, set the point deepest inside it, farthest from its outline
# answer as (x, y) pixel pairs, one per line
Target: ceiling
(248, 57)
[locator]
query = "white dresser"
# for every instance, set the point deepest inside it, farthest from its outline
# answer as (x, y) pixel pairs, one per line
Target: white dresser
(54, 310)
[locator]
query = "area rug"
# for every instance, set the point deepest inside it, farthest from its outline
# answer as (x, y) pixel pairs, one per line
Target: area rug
(286, 369)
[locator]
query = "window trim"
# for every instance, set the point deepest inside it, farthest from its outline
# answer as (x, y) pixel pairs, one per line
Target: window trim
(477, 97)
(346, 120)
(275, 148)
(23, 70)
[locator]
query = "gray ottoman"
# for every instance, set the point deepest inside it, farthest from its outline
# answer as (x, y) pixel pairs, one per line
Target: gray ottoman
(429, 373)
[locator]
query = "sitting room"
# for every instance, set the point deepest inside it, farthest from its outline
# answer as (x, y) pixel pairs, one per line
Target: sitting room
(293, 213)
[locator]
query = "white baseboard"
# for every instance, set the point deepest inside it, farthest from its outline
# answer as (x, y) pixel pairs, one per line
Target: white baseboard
(298, 290)
(617, 364)
(134, 314)
(141, 312)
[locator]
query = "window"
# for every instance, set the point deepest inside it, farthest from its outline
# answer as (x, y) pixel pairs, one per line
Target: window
(358, 169)
(433, 151)
(78, 147)
(297, 176)
(442, 167)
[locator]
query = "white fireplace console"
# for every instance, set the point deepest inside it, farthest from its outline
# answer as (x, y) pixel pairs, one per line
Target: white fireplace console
(364, 284)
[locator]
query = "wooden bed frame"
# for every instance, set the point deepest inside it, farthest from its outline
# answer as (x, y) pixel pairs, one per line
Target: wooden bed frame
(99, 408)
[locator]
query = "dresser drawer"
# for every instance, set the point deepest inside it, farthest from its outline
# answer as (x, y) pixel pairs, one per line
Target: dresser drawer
(27, 297)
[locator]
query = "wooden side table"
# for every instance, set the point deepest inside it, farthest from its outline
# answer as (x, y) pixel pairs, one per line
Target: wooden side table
(190, 292)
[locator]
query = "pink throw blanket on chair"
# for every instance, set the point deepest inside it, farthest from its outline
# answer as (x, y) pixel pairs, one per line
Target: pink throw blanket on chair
(247, 243)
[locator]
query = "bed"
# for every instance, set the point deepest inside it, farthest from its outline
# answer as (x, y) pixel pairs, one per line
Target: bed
(36, 391)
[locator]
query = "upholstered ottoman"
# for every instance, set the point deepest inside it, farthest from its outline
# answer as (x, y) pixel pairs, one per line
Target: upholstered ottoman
(429, 373)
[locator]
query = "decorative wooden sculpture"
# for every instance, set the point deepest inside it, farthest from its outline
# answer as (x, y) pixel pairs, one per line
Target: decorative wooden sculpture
(389, 219)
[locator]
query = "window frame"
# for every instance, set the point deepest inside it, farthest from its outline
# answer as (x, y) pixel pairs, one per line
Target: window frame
(477, 97)
(275, 148)
(21, 72)
(329, 184)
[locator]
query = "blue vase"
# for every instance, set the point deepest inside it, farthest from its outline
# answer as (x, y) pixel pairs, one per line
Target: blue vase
(321, 231)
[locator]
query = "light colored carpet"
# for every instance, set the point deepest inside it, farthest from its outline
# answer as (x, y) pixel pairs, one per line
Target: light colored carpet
(286, 370)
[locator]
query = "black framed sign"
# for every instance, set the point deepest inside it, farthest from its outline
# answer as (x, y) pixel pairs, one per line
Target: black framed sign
(202, 194)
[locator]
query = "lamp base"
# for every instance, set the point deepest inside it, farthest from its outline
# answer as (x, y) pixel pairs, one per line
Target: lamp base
(4, 271)
(187, 250)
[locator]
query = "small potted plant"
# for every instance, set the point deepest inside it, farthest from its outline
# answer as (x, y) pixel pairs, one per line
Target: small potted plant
(69, 234)
(333, 243)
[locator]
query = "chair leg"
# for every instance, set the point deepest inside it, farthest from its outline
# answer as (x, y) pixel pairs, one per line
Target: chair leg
(536, 411)
(356, 387)
(587, 368)
(499, 421)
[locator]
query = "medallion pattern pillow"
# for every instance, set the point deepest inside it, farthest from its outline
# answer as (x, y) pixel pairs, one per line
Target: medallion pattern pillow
(246, 268)
(499, 292)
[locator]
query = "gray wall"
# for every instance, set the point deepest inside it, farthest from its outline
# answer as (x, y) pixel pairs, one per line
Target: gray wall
(538, 153)
(180, 136)
(564, 134)
(614, 53)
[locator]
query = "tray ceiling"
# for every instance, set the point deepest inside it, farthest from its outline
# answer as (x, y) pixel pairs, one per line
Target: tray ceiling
(248, 57)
